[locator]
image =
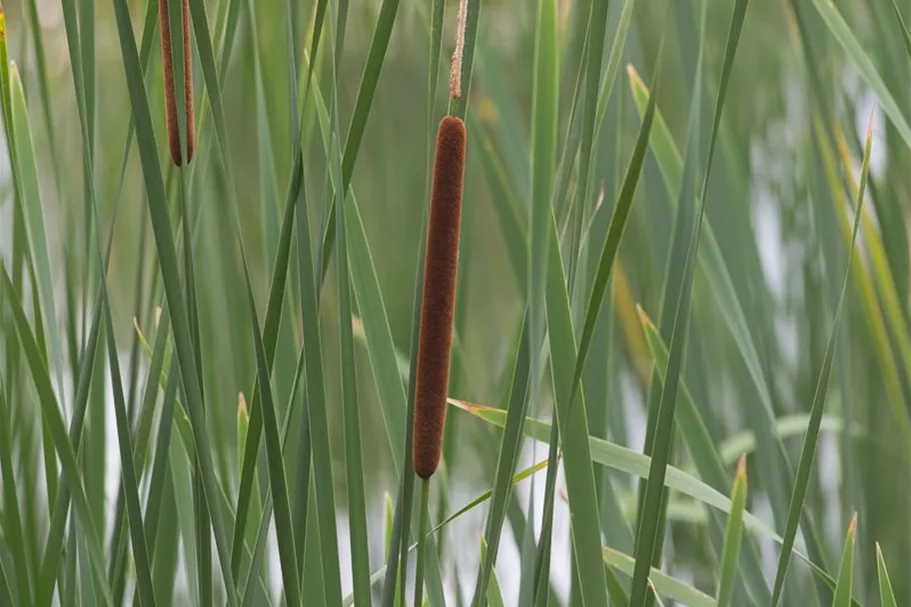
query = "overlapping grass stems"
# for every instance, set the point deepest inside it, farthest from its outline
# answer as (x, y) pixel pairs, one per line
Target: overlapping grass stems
(563, 194)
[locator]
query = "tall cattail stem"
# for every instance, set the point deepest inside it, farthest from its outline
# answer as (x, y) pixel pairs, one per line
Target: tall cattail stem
(438, 302)
(170, 94)
(422, 543)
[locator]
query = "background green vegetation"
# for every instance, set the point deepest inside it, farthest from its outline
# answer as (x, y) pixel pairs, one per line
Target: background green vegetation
(759, 119)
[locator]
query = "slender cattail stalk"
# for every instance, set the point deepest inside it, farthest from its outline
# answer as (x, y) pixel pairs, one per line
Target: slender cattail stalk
(438, 304)
(170, 95)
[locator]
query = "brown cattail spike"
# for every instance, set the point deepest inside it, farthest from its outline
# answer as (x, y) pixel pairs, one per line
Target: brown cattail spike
(438, 304)
(170, 96)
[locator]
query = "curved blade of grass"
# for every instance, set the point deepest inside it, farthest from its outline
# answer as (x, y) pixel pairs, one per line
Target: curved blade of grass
(130, 484)
(265, 514)
(366, 91)
(649, 525)
(7, 588)
(808, 453)
(12, 520)
(886, 595)
(354, 466)
(272, 324)
(506, 464)
(787, 426)
(54, 544)
(663, 583)
(117, 546)
(712, 262)
(160, 476)
(44, 87)
(615, 230)
(317, 406)
(57, 430)
(377, 334)
(906, 38)
(168, 260)
(513, 224)
(632, 462)
(846, 570)
(585, 517)
(377, 575)
(708, 462)
(27, 169)
(613, 61)
(864, 65)
(494, 597)
(284, 529)
(732, 536)
(545, 104)
(597, 28)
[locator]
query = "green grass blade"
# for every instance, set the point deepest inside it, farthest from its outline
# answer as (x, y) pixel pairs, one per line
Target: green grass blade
(130, 484)
(732, 537)
(663, 583)
(284, 529)
(506, 464)
(319, 425)
(210, 77)
(647, 533)
(846, 571)
(354, 466)
(51, 413)
(713, 265)
(27, 169)
(494, 597)
(808, 453)
(585, 518)
(271, 326)
(886, 595)
(864, 65)
(44, 88)
(168, 261)
(265, 510)
(618, 221)
(117, 546)
(632, 462)
(378, 336)
(54, 544)
(709, 462)
(12, 520)
(545, 104)
(375, 58)
(613, 61)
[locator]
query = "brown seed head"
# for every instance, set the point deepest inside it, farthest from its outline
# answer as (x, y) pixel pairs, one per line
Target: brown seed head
(438, 304)
(170, 95)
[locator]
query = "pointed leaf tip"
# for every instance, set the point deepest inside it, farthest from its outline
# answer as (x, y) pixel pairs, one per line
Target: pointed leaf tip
(242, 406)
(852, 527)
(742, 467)
(644, 317)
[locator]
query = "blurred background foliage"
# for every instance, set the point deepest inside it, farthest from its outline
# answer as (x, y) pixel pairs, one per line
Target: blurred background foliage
(774, 204)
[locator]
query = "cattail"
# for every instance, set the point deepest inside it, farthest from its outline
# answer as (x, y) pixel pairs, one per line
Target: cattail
(438, 304)
(170, 96)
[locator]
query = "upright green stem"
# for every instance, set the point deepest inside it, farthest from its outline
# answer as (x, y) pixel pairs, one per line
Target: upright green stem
(419, 568)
